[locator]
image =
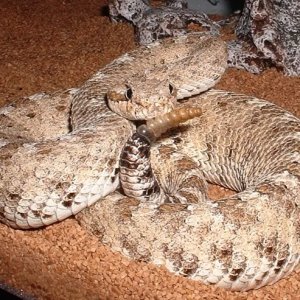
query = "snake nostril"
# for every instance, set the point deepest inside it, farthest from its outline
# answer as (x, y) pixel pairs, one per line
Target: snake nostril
(171, 88)
(128, 93)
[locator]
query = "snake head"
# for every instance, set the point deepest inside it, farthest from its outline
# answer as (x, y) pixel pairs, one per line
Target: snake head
(139, 102)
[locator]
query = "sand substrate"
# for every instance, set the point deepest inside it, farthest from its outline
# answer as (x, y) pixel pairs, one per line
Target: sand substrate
(55, 44)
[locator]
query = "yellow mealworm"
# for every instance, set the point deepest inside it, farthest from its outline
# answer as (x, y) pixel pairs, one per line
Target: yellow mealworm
(157, 126)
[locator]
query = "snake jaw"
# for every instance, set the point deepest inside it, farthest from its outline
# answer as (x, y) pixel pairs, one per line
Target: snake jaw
(148, 110)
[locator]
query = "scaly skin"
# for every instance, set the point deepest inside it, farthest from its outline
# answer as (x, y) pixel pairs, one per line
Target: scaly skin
(49, 172)
(242, 242)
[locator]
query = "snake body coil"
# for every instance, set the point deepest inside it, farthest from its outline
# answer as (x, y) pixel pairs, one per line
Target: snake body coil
(246, 144)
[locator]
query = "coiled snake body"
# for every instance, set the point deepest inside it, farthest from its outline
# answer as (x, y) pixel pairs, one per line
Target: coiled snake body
(249, 145)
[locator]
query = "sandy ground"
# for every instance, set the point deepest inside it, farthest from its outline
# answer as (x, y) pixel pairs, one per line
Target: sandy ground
(55, 44)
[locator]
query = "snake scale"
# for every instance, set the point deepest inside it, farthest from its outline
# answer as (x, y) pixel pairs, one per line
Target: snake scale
(52, 168)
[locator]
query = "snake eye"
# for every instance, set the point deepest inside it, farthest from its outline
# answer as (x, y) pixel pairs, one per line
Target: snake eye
(128, 94)
(171, 88)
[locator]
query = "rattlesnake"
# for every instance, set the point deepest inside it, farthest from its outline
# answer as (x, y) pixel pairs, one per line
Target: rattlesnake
(243, 242)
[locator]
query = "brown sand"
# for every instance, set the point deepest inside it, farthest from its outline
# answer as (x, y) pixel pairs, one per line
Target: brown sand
(56, 44)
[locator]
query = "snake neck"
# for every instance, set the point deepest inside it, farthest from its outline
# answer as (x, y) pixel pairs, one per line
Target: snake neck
(136, 175)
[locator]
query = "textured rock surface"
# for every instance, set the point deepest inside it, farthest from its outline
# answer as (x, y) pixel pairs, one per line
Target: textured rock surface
(152, 23)
(268, 31)
(270, 34)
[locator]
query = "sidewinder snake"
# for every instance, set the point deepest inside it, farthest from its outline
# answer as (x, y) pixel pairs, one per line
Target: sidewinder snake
(49, 172)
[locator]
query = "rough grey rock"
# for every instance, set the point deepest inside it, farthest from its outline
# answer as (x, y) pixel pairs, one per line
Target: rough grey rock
(268, 31)
(154, 23)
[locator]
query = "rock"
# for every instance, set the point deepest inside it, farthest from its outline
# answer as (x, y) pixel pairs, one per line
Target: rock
(152, 23)
(268, 31)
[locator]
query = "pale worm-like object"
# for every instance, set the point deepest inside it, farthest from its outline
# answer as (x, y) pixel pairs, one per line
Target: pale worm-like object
(155, 127)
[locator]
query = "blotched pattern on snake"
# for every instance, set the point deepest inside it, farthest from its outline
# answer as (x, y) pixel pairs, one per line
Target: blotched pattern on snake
(249, 145)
